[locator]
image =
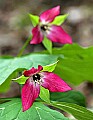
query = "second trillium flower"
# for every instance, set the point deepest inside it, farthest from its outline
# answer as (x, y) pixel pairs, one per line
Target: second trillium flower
(37, 78)
(45, 27)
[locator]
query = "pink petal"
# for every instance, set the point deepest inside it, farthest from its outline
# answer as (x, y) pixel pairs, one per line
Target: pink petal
(37, 36)
(29, 93)
(32, 71)
(49, 15)
(54, 83)
(57, 34)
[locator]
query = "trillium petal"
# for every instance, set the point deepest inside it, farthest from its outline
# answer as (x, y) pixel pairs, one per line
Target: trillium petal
(39, 68)
(54, 83)
(37, 35)
(49, 15)
(29, 93)
(57, 34)
(32, 71)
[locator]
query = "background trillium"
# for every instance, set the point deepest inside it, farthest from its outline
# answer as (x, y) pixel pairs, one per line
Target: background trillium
(37, 78)
(55, 33)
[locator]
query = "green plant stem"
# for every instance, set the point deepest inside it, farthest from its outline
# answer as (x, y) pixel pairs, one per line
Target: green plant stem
(24, 47)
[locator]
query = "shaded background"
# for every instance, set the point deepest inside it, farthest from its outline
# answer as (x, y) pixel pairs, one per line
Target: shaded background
(15, 27)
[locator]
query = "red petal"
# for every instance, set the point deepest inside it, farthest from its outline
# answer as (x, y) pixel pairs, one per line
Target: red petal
(57, 34)
(29, 94)
(49, 15)
(40, 68)
(54, 83)
(32, 71)
(37, 36)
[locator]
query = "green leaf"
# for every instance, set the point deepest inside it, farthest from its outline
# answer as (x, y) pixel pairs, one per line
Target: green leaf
(60, 19)
(50, 67)
(75, 71)
(34, 19)
(74, 51)
(21, 80)
(44, 94)
(79, 112)
(6, 84)
(10, 66)
(12, 110)
(75, 63)
(69, 97)
(48, 44)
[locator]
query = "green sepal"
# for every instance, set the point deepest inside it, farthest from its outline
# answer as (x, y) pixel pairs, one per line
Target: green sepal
(44, 94)
(50, 67)
(48, 44)
(34, 19)
(60, 19)
(21, 80)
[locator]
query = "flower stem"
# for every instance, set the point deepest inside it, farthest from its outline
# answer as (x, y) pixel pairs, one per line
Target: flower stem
(24, 46)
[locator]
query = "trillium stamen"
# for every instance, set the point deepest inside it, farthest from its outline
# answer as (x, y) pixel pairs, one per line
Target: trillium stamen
(44, 27)
(37, 78)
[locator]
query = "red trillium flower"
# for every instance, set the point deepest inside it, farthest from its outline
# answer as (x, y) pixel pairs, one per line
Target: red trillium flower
(37, 78)
(45, 27)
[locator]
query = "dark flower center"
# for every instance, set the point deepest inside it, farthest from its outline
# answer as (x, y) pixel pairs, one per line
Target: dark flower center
(44, 27)
(36, 77)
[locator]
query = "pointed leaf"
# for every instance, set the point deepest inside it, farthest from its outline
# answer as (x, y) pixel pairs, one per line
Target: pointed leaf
(48, 44)
(50, 67)
(44, 94)
(21, 80)
(60, 19)
(34, 19)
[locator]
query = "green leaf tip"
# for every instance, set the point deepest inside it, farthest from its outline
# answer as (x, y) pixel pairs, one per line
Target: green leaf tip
(34, 19)
(44, 94)
(50, 67)
(60, 19)
(21, 80)
(47, 44)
